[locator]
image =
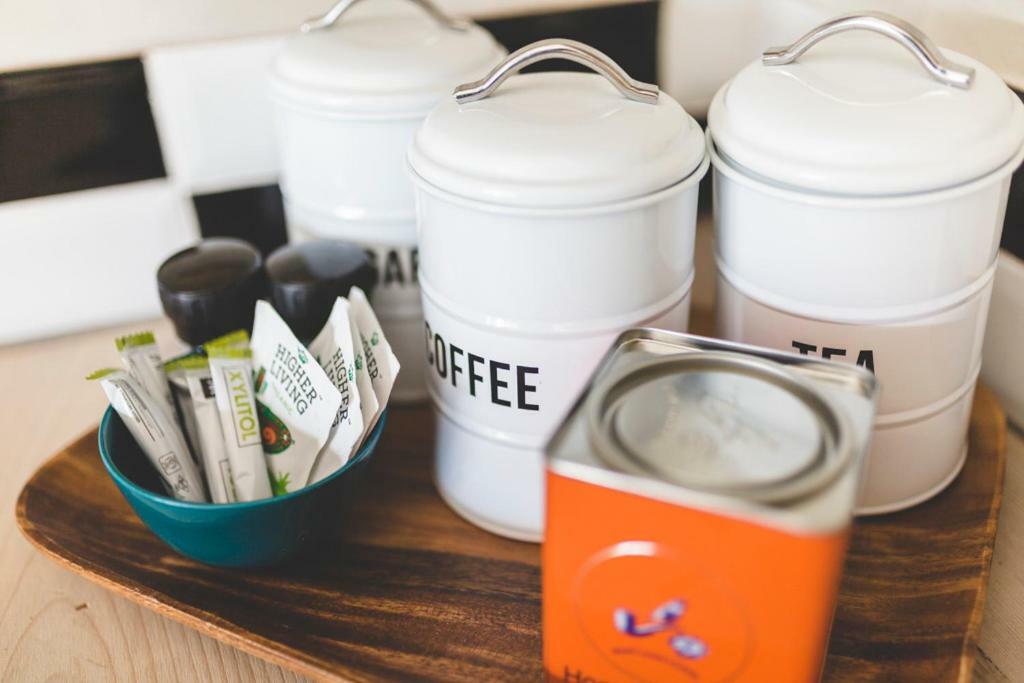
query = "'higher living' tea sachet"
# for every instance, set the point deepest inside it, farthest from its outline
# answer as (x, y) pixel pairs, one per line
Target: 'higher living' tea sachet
(297, 401)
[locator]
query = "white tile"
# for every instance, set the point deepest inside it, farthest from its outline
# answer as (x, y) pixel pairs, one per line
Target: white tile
(35, 33)
(213, 113)
(87, 259)
(704, 43)
(1003, 355)
(701, 44)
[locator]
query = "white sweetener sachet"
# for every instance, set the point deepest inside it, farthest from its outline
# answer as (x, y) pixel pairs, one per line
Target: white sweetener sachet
(334, 349)
(231, 372)
(381, 363)
(368, 405)
(141, 358)
(210, 444)
(297, 400)
(155, 431)
(182, 398)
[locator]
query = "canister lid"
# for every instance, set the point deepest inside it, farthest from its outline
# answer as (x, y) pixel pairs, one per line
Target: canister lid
(559, 139)
(307, 278)
(386, 57)
(718, 422)
(866, 114)
(210, 289)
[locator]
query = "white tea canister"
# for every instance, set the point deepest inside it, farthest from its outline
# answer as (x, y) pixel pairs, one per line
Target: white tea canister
(860, 188)
(350, 91)
(554, 210)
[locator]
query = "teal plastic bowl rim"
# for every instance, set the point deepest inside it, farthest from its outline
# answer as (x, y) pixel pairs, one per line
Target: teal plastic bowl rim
(122, 480)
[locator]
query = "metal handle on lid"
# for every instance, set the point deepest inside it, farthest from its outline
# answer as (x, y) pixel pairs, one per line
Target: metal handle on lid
(342, 6)
(558, 48)
(907, 35)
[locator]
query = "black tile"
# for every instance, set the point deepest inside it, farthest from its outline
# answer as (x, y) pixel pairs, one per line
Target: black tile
(626, 33)
(74, 128)
(1013, 228)
(254, 214)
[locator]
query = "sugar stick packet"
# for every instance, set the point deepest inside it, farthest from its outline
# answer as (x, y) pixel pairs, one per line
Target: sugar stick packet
(155, 431)
(238, 338)
(368, 405)
(211, 447)
(334, 350)
(231, 372)
(141, 358)
(381, 363)
(297, 400)
(182, 398)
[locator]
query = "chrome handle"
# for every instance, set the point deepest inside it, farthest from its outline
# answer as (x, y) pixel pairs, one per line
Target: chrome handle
(558, 48)
(342, 6)
(907, 35)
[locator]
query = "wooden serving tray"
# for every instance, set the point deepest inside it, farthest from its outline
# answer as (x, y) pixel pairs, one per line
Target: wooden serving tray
(412, 592)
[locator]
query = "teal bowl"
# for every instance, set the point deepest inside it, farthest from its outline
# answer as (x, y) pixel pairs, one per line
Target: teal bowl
(259, 533)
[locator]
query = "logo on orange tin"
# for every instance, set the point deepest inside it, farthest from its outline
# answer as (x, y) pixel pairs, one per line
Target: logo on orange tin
(663, 619)
(700, 633)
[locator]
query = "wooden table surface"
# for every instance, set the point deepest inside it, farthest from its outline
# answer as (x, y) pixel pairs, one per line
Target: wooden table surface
(55, 625)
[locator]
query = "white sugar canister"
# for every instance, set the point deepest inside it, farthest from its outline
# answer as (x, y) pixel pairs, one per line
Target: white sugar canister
(554, 210)
(350, 91)
(859, 198)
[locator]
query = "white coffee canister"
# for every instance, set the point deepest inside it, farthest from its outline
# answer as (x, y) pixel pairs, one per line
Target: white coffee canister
(555, 210)
(350, 91)
(859, 202)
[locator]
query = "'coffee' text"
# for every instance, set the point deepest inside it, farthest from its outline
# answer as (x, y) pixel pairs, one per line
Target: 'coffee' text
(507, 384)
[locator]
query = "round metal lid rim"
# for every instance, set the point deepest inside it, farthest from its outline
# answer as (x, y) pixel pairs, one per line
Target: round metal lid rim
(836, 429)
(802, 195)
(622, 205)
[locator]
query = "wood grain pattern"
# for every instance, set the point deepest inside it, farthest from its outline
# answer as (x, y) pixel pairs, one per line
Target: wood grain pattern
(415, 593)
(913, 591)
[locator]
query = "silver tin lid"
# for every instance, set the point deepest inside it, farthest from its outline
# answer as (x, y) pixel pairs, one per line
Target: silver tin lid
(719, 422)
(386, 58)
(557, 140)
(877, 111)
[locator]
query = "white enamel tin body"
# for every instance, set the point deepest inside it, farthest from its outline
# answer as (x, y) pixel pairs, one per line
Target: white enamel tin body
(926, 365)
(919, 359)
(859, 203)
(850, 256)
(916, 455)
(350, 94)
(553, 214)
(499, 396)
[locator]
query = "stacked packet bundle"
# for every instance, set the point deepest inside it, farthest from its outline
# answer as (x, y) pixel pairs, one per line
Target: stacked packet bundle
(255, 418)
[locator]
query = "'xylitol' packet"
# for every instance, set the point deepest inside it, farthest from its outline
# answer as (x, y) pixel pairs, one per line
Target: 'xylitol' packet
(334, 349)
(210, 444)
(298, 401)
(141, 358)
(231, 371)
(155, 431)
(381, 362)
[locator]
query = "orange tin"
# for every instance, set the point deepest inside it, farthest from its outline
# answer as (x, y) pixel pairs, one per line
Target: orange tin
(699, 498)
